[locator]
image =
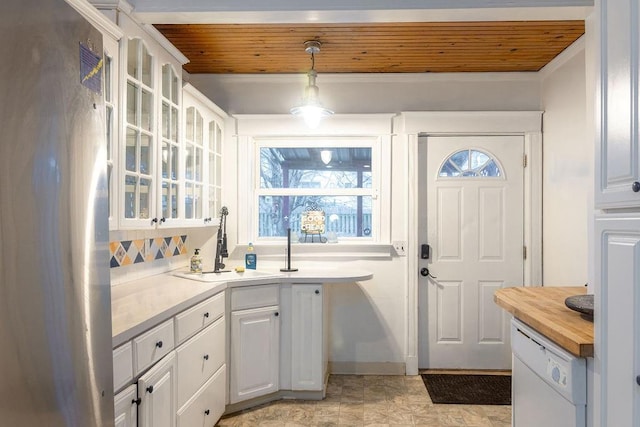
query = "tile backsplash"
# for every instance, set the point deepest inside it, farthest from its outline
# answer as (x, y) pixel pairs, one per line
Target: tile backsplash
(128, 252)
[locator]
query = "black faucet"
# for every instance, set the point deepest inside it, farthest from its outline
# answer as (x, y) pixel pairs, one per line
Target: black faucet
(221, 242)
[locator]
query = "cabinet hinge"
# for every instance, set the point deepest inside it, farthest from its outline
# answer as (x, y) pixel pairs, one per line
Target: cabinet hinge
(524, 252)
(524, 161)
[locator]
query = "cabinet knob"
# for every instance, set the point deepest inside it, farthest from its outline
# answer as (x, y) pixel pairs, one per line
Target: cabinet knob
(206, 357)
(159, 344)
(635, 186)
(154, 221)
(207, 412)
(638, 379)
(276, 314)
(206, 314)
(317, 292)
(163, 219)
(150, 389)
(137, 401)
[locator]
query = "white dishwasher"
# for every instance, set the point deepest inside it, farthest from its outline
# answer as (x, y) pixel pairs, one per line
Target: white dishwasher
(549, 386)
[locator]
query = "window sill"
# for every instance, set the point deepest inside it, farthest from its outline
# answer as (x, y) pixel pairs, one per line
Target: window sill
(313, 251)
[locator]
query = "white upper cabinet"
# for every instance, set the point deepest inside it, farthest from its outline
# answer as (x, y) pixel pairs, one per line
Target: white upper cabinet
(203, 132)
(149, 159)
(618, 157)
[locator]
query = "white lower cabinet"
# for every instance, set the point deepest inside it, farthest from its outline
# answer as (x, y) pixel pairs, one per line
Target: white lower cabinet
(255, 342)
(157, 393)
(126, 407)
(207, 405)
(307, 367)
(617, 296)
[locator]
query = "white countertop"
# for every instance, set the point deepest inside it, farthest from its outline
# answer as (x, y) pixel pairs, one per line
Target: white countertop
(141, 304)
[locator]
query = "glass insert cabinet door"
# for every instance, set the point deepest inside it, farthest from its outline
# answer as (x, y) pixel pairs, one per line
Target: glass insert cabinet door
(203, 133)
(139, 145)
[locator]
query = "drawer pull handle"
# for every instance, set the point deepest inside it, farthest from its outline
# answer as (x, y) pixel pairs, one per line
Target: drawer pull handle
(150, 389)
(137, 401)
(638, 379)
(635, 186)
(206, 412)
(206, 314)
(206, 357)
(276, 314)
(159, 344)
(317, 292)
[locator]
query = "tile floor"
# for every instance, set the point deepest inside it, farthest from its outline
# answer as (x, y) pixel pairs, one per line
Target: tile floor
(371, 400)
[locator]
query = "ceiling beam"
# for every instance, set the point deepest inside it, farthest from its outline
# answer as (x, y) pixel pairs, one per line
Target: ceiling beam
(354, 11)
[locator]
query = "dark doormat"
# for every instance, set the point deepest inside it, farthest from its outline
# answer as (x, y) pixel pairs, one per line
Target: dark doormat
(469, 389)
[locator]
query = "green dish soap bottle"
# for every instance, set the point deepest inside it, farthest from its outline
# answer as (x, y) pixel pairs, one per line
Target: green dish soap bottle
(250, 258)
(196, 262)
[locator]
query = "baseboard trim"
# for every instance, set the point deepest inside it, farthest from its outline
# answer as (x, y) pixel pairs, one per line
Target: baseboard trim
(367, 368)
(412, 366)
(278, 395)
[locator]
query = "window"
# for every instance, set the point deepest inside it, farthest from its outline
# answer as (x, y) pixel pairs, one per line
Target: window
(470, 163)
(338, 177)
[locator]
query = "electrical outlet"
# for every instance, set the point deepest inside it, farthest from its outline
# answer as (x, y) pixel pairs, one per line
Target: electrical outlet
(400, 247)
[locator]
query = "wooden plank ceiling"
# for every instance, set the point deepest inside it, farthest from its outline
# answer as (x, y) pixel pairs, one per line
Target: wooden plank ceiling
(420, 47)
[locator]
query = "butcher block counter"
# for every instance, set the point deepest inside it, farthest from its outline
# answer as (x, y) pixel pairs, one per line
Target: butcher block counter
(544, 310)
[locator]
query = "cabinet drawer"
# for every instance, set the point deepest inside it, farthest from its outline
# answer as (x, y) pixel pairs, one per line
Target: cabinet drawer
(207, 406)
(199, 358)
(192, 320)
(254, 297)
(151, 346)
(126, 410)
(122, 366)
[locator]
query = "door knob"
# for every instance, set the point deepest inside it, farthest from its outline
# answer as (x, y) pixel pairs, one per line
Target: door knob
(424, 272)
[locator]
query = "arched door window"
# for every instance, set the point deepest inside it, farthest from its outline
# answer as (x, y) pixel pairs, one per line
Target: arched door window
(470, 163)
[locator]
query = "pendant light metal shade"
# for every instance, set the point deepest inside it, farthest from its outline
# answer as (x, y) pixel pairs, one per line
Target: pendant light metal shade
(311, 110)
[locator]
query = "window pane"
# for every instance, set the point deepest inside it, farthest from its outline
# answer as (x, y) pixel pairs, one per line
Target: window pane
(131, 159)
(145, 191)
(174, 200)
(199, 136)
(145, 154)
(166, 80)
(198, 201)
(189, 162)
(189, 124)
(145, 122)
(174, 162)
(130, 184)
(218, 139)
(212, 202)
(166, 200)
(132, 58)
(322, 168)
(109, 124)
(346, 216)
(174, 124)
(146, 66)
(165, 120)
(188, 201)
(174, 88)
(166, 161)
(212, 169)
(470, 163)
(132, 101)
(198, 164)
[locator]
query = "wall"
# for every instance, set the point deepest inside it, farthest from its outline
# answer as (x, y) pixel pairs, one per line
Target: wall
(374, 93)
(567, 171)
(369, 320)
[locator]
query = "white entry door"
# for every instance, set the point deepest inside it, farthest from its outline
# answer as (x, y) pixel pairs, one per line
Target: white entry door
(471, 216)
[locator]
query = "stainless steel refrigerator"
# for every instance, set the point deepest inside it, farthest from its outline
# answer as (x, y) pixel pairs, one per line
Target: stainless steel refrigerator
(55, 309)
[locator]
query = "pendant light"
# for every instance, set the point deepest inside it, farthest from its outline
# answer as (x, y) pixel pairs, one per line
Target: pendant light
(311, 109)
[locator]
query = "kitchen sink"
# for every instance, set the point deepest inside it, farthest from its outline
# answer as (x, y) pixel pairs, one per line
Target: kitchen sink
(227, 276)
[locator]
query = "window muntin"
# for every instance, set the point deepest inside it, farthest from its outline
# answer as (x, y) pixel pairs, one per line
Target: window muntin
(294, 178)
(470, 163)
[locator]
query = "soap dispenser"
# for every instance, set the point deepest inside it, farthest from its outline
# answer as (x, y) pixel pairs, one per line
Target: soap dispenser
(250, 258)
(196, 262)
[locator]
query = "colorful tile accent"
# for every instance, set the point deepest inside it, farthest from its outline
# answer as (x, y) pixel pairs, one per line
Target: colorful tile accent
(127, 252)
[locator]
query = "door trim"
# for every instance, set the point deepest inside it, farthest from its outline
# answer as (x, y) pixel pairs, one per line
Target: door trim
(408, 127)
